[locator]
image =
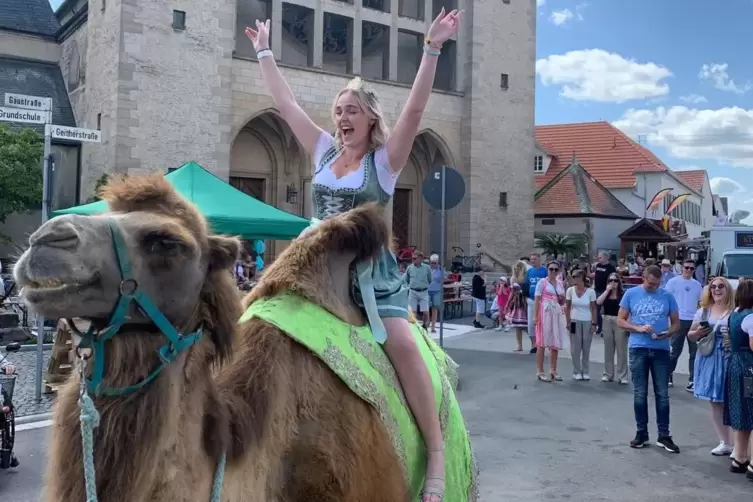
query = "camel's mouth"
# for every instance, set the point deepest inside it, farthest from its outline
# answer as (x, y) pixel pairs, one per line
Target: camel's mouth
(41, 290)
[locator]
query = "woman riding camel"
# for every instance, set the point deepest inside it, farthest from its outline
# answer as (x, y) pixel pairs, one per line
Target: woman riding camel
(361, 164)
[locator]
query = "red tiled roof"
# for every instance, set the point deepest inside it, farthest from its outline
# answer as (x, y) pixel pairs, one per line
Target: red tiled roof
(694, 179)
(607, 153)
(575, 191)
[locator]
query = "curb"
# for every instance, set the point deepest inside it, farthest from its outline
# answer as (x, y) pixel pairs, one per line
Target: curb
(33, 347)
(30, 419)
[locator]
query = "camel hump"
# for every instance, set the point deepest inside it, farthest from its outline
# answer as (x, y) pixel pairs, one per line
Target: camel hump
(362, 231)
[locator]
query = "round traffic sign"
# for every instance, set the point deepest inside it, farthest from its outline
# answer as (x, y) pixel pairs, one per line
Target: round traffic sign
(454, 188)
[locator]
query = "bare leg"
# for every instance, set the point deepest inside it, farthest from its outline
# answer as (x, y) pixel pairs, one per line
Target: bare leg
(553, 353)
(717, 417)
(518, 339)
(540, 359)
(742, 451)
(414, 377)
(434, 315)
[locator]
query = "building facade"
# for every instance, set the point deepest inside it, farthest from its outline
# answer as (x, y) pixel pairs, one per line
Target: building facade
(627, 172)
(168, 86)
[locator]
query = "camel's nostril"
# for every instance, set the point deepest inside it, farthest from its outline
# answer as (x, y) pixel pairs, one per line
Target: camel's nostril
(57, 234)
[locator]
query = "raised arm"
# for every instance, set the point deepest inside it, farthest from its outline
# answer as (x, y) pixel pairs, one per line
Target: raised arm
(400, 142)
(303, 127)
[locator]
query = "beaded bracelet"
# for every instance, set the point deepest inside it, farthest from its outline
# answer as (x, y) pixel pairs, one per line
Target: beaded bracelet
(266, 53)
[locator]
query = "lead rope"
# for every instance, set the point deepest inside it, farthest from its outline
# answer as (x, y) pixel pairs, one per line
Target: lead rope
(89, 418)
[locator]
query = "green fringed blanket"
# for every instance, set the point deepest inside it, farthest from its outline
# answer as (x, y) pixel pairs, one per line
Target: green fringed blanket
(353, 355)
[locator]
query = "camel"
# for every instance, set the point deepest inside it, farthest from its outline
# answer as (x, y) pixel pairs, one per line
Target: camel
(290, 428)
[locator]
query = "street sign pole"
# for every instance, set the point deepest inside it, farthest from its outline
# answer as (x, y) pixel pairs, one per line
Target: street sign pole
(46, 165)
(442, 244)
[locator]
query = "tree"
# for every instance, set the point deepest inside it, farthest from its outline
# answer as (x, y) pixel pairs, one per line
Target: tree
(556, 244)
(20, 171)
(101, 182)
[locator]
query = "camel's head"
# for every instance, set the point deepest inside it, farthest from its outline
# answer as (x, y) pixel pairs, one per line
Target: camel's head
(72, 270)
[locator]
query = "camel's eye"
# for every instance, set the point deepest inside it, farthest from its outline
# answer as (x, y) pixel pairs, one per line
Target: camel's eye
(160, 243)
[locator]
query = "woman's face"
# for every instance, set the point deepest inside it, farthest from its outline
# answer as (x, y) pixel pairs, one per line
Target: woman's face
(578, 280)
(718, 291)
(351, 121)
(553, 269)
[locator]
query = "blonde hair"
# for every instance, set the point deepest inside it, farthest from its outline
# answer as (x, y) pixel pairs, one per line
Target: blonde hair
(369, 103)
(519, 271)
(707, 301)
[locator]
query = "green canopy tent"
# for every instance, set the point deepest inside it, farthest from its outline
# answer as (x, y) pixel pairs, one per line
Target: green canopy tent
(228, 210)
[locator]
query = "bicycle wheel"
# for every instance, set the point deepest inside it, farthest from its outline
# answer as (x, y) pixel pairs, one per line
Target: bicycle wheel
(7, 438)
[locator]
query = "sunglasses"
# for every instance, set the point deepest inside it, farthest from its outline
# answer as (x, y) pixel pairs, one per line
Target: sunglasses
(717, 286)
(613, 280)
(554, 269)
(689, 268)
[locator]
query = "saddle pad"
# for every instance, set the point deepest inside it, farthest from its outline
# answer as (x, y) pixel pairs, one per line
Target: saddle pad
(359, 361)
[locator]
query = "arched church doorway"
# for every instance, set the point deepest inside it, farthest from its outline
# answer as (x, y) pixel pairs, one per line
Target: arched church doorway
(414, 223)
(267, 163)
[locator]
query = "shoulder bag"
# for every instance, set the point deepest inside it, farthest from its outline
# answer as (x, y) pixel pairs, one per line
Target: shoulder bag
(707, 344)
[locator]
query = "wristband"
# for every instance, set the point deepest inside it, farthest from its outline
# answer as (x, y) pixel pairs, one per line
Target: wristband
(266, 53)
(428, 49)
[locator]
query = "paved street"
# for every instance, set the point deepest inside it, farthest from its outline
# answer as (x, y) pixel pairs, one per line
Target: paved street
(24, 392)
(537, 441)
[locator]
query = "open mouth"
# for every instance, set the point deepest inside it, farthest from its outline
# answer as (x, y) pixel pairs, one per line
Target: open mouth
(33, 289)
(346, 131)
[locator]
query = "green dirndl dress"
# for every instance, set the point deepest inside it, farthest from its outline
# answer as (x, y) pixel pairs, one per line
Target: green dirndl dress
(378, 286)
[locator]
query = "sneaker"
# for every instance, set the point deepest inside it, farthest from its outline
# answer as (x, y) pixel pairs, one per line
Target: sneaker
(623, 382)
(667, 443)
(586, 377)
(722, 450)
(478, 325)
(533, 350)
(690, 387)
(641, 440)
(577, 376)
(671, 381)
(498, 328)
(606, 379)
(507, 329)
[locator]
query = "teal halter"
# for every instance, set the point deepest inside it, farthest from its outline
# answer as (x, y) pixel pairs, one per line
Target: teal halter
(129, 292)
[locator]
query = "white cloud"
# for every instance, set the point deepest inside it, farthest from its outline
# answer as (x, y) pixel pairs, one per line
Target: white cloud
(693, 99)
(598, 75)
(724, 135)
(560, 17)
(725, 186)
(716, 74)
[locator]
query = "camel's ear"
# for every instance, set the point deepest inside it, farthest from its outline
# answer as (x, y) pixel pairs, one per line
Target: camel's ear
(223, 252)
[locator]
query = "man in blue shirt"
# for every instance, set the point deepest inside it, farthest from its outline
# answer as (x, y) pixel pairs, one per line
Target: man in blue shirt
(533, 275)
(650, 316)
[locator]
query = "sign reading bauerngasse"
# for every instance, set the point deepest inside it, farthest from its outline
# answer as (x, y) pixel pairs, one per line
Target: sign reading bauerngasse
(21, 115)
(27, 102)
(75, 133)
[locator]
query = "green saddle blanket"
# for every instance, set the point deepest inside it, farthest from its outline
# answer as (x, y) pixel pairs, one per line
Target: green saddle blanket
(361, 363)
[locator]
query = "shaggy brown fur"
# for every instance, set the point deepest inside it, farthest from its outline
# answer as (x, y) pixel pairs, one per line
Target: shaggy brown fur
(292, 430)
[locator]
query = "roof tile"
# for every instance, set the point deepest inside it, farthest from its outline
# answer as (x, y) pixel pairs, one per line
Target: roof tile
(575, 191)
(694, 179)
(607, 153)
(28, 16)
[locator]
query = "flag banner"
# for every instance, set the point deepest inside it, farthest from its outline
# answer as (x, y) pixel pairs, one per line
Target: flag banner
(676, 202)
(658, 198)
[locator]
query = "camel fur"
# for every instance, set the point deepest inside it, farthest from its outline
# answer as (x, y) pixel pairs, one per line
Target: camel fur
(291, 429)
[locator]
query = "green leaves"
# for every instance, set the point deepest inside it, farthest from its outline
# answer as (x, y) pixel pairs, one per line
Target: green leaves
(564, 244)
(20, 170)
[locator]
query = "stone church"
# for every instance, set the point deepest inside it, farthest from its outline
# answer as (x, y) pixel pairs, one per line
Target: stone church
(171, 82)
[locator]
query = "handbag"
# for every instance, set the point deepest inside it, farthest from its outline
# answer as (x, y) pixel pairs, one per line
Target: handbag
(707, 344)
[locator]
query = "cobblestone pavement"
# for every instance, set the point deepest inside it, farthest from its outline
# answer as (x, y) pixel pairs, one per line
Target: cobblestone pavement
(24, 390)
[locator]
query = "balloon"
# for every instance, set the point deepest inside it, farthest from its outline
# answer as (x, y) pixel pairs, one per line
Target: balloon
(259, 247)
(259, 263)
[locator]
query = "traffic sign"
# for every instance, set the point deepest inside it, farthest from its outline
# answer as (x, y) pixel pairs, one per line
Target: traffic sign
(28, 102)
(454, 188)
(75, 133)
(23, 115)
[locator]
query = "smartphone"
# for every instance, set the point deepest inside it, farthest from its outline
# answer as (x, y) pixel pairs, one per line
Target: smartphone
(704, 324)
(657, 336)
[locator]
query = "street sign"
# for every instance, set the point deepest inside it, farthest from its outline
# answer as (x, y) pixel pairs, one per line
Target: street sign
(23, 115)
(28, 102)
(454, 188)
(75, 133)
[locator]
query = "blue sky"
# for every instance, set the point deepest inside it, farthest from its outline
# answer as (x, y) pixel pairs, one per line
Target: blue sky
(672, 73)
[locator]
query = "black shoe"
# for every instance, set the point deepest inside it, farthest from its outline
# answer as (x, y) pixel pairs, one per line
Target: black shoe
(14, 462)
(690, 387)
(533, 350)
(640, 440)
(667, 443)
(671, 381)
(478, 325)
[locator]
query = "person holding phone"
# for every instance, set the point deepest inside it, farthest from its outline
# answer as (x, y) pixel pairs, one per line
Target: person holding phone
(615, 338)
(712, 320)
(650, 315)
(580, 317)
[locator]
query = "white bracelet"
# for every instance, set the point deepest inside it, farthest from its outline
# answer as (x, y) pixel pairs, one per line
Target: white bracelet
(266, 53)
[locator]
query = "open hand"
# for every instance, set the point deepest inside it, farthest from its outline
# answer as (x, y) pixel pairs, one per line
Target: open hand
(260, 36)
(444, 26)
(648, 329)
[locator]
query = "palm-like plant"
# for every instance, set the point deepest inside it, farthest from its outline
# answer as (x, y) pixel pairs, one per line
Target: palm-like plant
(561, 244)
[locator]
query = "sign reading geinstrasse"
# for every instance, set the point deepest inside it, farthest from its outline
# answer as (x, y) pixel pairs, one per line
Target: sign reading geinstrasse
(75, 133)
